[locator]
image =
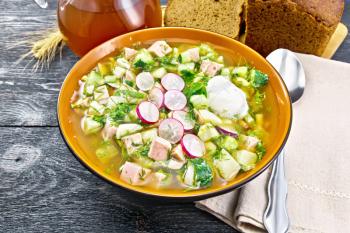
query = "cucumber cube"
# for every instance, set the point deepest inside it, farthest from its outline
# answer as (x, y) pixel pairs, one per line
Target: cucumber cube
(207, 132)
(159, 73)
(199, 101)
(241, 71)
(127, 129)
(226, 165)
(149, 135)
(246, 159)
(90, 126)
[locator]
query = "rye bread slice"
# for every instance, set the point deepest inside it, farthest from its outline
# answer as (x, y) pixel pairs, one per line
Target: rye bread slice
(220, 16)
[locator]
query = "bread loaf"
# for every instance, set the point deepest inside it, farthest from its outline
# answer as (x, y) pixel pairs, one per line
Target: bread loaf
(265, 25)
(299, 25)
(221, 16)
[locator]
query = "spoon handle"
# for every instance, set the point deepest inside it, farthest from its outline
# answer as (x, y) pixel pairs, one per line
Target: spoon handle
(276, 216)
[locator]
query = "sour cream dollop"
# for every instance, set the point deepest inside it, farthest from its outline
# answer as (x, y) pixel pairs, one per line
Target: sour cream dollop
(226, 99)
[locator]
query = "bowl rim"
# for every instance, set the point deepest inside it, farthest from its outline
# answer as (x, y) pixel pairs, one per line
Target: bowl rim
(188, 197)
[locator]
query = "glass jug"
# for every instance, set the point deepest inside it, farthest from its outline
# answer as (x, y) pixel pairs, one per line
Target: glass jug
(87, 23)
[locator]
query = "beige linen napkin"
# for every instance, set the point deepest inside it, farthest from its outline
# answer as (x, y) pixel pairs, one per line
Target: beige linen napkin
(317, 160)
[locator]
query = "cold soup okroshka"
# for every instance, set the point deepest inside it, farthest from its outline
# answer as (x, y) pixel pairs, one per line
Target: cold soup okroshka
(174, 116)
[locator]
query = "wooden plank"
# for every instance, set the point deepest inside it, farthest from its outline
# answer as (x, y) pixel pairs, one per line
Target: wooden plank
(28, 98)
(43, 188)
(343, 52)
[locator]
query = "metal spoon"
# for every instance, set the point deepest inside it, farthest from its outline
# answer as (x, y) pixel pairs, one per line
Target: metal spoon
(291, 70)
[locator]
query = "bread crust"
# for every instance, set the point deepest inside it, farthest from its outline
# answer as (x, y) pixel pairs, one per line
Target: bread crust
(292, 24)
(328, 12)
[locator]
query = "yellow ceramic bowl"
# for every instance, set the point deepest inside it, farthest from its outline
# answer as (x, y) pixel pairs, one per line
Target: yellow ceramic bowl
(279, 133)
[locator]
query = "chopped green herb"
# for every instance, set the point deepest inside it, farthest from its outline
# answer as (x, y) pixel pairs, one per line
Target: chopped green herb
(197, 66)
(258, 78)
(165, 60)
(260, 150)
(195, 88)
(217, 155)
(259, 97)
(196, 128)
(227, 142)
(140, 64)
(119, 112)
(179, 59)
(143, 150)
(129, 83)
(191, 115)
(203, 172)
(101, 119)
(187, 75)
(257, 101)
(142, 174)
(143, 60)
(168, 63)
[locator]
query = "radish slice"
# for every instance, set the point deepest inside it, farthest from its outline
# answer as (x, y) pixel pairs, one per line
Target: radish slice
(144, 81)
(147, 112)
(185, 119)
(156, 96)
(192, 146)
(227, 131)
(171, 130)
(173, 81)
(175, 100)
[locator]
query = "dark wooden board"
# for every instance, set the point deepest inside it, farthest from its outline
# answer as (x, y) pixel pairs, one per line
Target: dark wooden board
(43, 188)
(343, 53)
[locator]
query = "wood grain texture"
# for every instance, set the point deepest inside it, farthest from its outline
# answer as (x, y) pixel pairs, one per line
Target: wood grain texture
(43, 188)
(343, 53)
(28, 98)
